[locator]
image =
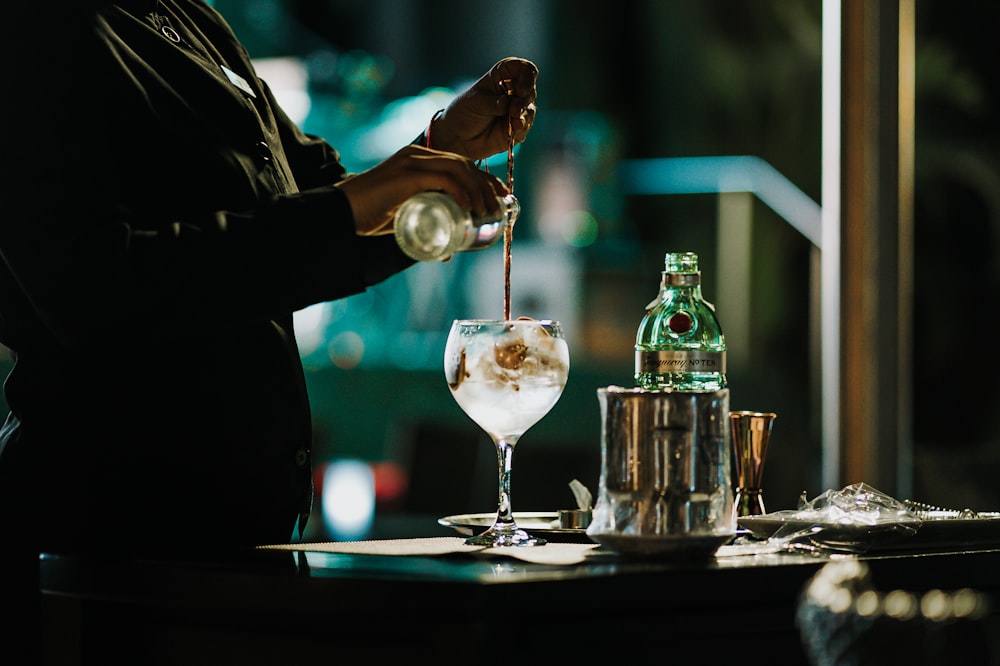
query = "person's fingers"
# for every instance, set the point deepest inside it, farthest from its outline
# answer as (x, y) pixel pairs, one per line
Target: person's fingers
(516, 80)
(472, 188)
(476, 122)
(375, 194)
(516, 75)
(522, 122)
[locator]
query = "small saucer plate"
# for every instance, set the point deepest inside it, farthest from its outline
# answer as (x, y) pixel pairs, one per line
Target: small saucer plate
(544, 524)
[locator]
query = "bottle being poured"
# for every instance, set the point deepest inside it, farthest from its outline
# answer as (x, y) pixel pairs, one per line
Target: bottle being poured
(430, 226)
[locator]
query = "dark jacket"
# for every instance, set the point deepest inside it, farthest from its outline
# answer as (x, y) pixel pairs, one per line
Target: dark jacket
(161, 224)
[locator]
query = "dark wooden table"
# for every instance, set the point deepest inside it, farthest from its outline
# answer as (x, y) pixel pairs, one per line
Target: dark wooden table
(293, 607)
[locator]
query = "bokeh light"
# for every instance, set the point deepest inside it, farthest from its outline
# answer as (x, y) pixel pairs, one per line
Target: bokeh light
(348, 499)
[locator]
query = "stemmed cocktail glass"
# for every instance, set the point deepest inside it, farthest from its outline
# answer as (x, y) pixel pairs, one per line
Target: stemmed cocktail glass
(506, 375)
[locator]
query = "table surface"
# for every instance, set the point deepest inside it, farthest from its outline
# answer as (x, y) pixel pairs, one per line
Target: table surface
(432, 609)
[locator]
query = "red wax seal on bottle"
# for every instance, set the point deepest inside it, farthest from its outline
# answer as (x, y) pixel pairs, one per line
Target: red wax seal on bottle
(680, 323)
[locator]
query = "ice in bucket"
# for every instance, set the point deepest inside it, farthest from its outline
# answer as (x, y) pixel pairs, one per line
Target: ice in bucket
(665, 463)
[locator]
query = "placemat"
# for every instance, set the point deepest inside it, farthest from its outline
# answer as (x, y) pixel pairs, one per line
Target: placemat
(550, 553)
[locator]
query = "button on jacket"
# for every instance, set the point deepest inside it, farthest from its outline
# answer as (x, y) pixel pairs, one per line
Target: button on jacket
(162, 221)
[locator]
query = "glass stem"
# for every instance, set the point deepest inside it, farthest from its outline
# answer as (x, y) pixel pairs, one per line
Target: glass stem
(505, 453)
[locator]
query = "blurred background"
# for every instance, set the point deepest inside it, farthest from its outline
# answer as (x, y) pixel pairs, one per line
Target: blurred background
(649, 111)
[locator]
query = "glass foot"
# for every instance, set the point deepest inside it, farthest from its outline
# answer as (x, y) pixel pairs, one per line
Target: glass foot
(493, 537)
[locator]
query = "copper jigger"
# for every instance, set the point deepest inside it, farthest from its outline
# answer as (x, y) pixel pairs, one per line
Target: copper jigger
(750, 433)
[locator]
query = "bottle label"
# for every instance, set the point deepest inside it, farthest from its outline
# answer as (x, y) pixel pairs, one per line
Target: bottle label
(680, 361)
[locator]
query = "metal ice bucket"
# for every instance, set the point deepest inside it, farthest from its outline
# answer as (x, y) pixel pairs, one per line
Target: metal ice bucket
(665, 463)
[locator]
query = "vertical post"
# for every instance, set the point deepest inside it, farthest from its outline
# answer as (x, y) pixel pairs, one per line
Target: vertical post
(735, 234)
(907, 131)
(874, 328)
(830, 253)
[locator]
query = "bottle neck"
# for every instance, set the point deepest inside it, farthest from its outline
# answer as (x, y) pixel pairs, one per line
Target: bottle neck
(677, 291)
(681, 280)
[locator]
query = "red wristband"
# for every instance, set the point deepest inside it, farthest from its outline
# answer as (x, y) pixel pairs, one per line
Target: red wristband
(430, 126)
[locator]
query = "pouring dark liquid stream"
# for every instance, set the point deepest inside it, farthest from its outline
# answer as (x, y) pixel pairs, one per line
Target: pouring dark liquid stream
(508, 232)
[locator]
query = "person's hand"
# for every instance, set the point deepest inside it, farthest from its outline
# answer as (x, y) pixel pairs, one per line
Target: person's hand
(375, 194)
(475, 123)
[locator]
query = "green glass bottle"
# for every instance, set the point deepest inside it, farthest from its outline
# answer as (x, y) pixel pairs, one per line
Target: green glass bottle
(679, 344)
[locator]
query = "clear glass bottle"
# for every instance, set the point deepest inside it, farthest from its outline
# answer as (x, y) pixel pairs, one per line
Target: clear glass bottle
(679, 344)
(430, 226)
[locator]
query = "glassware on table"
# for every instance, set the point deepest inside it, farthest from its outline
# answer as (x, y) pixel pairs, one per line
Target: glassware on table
(506, 375)
(751, 432)
(665, 463)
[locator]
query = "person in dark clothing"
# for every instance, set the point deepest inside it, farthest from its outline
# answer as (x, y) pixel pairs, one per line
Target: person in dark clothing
(163, 220)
